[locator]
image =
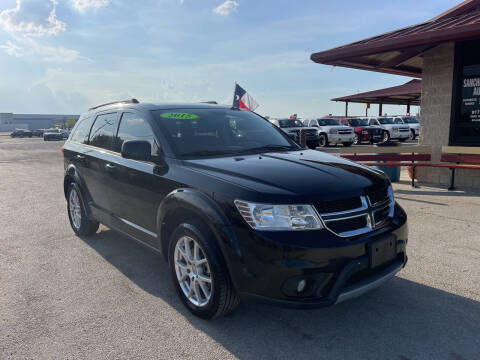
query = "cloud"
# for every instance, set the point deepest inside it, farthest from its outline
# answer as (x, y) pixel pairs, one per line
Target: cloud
(11, 49)
(226, 8)
(84, 5)
(32, 18)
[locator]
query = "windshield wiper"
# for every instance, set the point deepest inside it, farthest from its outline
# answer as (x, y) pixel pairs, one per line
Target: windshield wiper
(209, 153)
(272, 147)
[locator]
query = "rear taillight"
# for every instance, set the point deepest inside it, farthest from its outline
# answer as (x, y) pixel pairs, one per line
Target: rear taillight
(63, 149)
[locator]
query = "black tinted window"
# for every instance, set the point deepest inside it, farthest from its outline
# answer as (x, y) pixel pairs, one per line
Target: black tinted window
(212, 132)
(133, 127)
(102, 131)
(80, 133)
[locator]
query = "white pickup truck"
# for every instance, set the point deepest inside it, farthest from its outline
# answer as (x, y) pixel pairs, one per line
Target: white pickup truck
(331, 132)
(412, 122)
(391, 130)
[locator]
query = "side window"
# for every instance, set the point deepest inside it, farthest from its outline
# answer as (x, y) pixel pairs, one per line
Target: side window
(81, 130)
(133, 127)
(398, 121)
(103, 130)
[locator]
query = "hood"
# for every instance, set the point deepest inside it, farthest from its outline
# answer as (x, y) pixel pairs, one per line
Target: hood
(297, 129)
(305, 175)
(400, 126)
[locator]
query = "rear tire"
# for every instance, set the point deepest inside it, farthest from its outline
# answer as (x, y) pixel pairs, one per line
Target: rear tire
(211, 299)
(81, 225)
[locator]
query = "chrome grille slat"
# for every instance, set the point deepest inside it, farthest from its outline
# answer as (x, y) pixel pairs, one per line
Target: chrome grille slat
(368, 210)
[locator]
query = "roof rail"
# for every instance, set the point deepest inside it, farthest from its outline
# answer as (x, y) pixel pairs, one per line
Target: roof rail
(209, 102)
(128, 101)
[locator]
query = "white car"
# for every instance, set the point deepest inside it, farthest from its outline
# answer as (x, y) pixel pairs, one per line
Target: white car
(331, 132)
(391, 130)
(292, 128)
(412, 122)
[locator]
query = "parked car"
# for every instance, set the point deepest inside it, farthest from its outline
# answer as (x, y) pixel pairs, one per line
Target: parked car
(412, 122)
(391, 131)
(331, 132)
(292, 128)
(21, 133)
(52, 134)
(64, 133)
(38, 132)
(236, 207)
(363, 132)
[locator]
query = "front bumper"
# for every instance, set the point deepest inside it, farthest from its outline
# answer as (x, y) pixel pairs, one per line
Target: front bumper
(335, 268)
(399, 134)
(340, 138)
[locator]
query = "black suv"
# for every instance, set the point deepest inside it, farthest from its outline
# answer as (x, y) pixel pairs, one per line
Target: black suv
(234, 205)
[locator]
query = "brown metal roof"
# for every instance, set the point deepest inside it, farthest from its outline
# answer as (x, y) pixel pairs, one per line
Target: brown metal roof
(400, 51)
(408, 93)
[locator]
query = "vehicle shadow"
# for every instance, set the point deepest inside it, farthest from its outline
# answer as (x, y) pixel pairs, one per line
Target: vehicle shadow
(402, 320)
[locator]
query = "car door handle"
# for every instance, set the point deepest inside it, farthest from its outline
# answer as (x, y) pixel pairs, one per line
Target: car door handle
(80, 158)
(110, 166)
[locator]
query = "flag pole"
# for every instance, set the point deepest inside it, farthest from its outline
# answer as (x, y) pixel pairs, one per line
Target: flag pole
(234, 88)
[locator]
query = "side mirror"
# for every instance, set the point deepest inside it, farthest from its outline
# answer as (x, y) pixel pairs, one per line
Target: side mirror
(137, 150)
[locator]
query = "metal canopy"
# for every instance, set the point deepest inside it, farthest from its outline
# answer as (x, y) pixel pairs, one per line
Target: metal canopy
(400, 52)
(406, 94)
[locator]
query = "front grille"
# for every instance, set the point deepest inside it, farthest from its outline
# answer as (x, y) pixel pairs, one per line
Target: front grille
(381, 215)
(332, 206)
(404, 130)
(346, 225)
(378, 195)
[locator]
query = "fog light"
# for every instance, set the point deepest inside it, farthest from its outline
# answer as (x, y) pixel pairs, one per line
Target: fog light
(301, 286)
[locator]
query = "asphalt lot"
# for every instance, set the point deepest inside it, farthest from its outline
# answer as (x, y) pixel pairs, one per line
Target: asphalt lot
(106, 297)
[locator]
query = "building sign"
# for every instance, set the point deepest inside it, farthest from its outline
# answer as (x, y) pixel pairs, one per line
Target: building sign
(465, 114)
(470, 108)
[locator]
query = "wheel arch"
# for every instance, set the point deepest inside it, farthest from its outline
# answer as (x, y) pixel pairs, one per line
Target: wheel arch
(182, 204)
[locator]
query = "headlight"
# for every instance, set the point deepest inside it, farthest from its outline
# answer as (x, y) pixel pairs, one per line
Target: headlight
(279, 217)
(395, 129)
(333, 131)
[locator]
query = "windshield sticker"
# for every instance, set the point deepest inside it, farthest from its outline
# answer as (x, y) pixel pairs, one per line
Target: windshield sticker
(179, 115)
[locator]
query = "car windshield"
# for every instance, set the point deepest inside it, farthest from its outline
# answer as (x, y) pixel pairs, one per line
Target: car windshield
(328, 122)
(215, 132)
(358, 122)
(288, 123)
(385, 120)
(409, 120)
(52, 131)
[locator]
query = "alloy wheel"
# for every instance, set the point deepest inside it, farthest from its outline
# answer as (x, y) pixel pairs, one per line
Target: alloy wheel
(355, 139)
(193, 271)
(74, 208)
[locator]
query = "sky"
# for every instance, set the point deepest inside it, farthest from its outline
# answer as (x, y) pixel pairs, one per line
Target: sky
(63, 56)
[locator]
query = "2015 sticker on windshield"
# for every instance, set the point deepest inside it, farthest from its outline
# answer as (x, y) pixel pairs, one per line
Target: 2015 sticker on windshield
(179, 115)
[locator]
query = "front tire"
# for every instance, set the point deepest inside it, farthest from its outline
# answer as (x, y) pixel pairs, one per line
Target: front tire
(199, 273)
(386, 137)
(323, 140)
(412, 135)
(81, 225)
(312, 145)
(347, 144)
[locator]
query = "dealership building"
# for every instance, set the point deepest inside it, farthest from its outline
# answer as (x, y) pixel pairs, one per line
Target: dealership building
(11, 121)
(444, 53)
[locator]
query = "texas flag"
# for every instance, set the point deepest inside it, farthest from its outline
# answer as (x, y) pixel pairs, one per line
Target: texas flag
(243, 100)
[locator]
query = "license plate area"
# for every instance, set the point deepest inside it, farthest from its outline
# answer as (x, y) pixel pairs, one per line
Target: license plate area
(382, 251)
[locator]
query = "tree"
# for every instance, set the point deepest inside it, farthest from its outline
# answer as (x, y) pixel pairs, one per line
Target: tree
(70, 123)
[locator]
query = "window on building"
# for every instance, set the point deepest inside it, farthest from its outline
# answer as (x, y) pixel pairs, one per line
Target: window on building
(103, 130)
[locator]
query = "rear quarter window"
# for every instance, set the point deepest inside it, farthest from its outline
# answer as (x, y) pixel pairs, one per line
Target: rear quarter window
(81, 130)
(102, 132)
